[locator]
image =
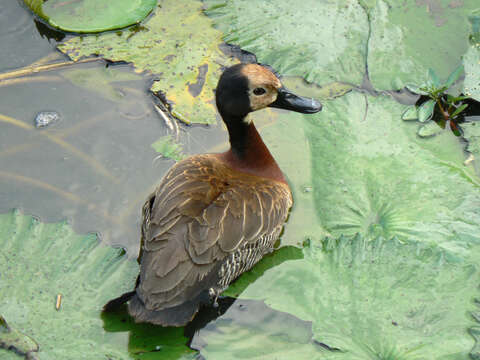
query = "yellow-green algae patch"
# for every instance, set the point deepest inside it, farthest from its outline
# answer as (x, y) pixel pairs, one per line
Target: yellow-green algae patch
(179, 45)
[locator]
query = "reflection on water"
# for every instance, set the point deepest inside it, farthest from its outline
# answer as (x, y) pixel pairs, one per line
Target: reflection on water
(242, 319)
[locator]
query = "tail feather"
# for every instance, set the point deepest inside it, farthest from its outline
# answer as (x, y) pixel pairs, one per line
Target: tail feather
(174, 316)
(115, 303)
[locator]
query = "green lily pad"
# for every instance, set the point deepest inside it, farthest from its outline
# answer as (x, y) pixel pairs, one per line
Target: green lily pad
(40, 261)
(409, 37)
(471, 62)
(321, 41)
(91, 16)
(14, 340)
(380, 179)
(178, 45)
(371, 299)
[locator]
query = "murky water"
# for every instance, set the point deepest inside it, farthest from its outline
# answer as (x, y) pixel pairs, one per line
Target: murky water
(22, 44)
(95, 166)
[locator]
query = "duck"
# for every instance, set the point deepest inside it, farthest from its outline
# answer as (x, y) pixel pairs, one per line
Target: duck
(214, 216)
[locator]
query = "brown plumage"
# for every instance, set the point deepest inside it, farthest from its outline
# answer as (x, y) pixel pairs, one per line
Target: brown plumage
(214, 216)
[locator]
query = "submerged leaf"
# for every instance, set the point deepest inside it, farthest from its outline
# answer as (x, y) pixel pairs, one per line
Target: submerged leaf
(179, 46)
(39, 261)
(167, 147)
(91, 16)
(101, 80)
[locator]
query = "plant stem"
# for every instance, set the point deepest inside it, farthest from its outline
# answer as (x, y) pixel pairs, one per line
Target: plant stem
(445, 114)
(29, 70)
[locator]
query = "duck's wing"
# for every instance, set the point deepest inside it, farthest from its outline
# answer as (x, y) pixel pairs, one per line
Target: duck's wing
(199, 215)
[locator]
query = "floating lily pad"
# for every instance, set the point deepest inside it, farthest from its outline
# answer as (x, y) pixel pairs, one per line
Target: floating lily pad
(179, 45)
(370, 299)
(321, 41)
(13, 340)
(380, 179)
(91, 16)
(40, 261)
(471, 62)
(409, 37)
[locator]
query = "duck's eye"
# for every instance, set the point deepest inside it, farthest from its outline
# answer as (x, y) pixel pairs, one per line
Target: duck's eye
(259, 91)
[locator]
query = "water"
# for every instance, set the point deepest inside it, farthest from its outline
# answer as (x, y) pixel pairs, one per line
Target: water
(94, 167)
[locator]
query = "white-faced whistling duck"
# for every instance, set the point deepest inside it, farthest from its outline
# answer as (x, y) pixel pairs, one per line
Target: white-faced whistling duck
(214, 216)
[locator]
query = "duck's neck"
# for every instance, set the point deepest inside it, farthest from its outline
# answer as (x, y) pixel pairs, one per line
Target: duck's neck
(248, 153)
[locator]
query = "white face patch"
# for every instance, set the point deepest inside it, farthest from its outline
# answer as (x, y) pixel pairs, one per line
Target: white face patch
(247, 119)
(263, 85)
(258, 102)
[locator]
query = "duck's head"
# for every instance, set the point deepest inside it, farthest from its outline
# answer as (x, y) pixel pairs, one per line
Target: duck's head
(244, 88)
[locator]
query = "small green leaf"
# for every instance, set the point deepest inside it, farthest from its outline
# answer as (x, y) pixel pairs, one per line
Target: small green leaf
(453, 99)
(429, 129)
(459, 110)
(434, 79)
(420, 90)
(410, 113)
(425, 112)
(454, 76)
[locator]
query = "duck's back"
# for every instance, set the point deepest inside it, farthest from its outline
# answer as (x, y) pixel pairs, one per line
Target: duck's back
(203, 226)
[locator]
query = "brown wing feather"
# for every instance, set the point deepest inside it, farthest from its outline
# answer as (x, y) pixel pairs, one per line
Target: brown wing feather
(201, 213)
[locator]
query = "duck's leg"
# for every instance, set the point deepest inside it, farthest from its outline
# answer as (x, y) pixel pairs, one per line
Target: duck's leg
(214, 294)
